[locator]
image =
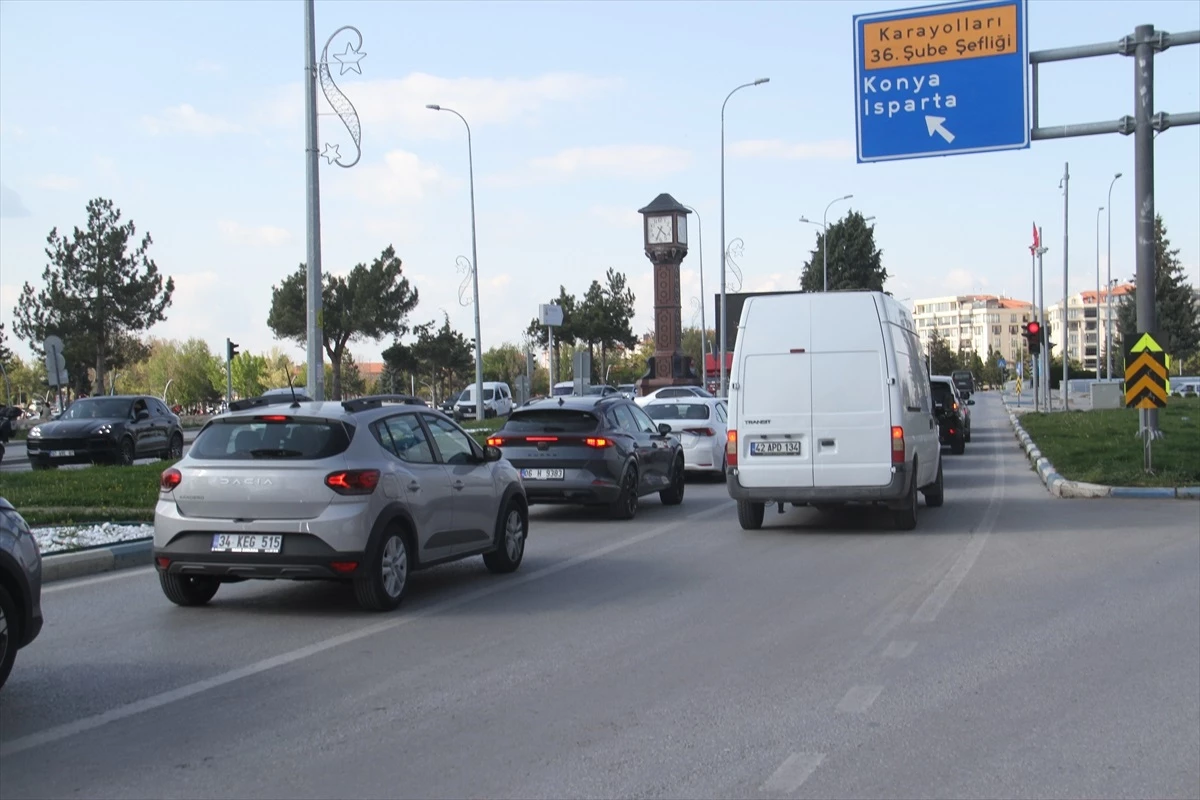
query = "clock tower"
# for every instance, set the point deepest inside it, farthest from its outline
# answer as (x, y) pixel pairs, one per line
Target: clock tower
(665, 240)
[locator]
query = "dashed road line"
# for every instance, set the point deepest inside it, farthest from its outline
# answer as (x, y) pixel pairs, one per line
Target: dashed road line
(792, 773)
(899, 649)
(859, 699)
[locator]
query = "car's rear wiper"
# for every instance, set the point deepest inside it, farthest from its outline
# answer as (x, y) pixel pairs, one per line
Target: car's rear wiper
(279, 453)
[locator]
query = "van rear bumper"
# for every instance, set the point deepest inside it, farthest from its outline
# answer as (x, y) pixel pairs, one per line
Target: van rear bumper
(895, 490)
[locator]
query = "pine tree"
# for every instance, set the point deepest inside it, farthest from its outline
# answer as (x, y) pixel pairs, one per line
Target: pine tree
(855, 263)
(1178, 320)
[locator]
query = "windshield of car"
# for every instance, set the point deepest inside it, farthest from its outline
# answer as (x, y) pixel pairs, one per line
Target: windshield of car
(670, 411)
(598, 390)
(552, 420)
(99, 408)
(563, 390)
(250, 438)
(469, 394)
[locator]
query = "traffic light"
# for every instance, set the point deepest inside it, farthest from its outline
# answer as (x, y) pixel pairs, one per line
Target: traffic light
(1033, 337)
(231, 349)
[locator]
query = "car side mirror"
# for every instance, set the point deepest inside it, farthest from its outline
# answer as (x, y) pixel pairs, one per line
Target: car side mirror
(492, 453)
(664, 429)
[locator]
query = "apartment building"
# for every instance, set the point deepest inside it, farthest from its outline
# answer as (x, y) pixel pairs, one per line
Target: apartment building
(1086, 324)
(979, 323)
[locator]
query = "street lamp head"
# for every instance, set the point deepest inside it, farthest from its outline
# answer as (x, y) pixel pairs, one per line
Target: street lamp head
(761, 81)
(1116, 176)
(847, 197)
(868, 219)
(806, 219)
(434, 107)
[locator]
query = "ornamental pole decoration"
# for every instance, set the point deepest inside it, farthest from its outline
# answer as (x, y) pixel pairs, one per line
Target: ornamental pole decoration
(348, 60)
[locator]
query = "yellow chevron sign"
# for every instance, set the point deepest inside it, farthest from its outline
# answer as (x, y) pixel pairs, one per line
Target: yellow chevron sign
(1145, 375)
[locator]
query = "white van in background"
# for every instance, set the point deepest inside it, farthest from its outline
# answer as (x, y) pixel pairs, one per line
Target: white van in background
(497, 401)
(829, 403)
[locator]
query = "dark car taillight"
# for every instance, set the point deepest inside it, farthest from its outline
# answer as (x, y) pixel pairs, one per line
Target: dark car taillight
(170, 479)
(353, 481)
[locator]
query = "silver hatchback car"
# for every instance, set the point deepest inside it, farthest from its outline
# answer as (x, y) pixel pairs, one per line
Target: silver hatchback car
(362, 491)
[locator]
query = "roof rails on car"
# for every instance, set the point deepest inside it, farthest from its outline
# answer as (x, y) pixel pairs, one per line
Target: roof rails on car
(378, 400)
(258, 402)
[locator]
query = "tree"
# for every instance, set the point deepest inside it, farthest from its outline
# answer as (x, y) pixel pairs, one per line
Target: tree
(616, 329)
(991, 374)
(441, 359)
(249, 374)
(504, 363)
(6, 355)
(353, 384)
(100, 291)
(1178, 328)
(855, 263)
(372, 302)
(942, 359)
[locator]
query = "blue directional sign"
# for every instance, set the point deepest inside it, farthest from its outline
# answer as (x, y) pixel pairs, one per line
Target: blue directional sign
(942, 80)
(1001, 363)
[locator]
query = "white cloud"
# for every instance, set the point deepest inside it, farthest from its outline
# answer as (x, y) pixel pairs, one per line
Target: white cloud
(617, 217)
(11, 204)
(186, 119)
(402, 177)
(10, 131)
(964, 282)
(500, 281)
(400, 103)
(208, 68)
(260, 235)
(58, 183)
(640, 160)
(832, 149)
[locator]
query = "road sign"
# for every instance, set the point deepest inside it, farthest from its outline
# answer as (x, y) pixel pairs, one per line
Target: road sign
(1002, 364)
(1018, 384)
(1145, 374)
(942, 80)
(550, 314)
(56, 364)
(1020, 369)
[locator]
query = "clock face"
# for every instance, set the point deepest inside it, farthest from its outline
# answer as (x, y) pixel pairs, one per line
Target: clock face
(658, 230)
(681, 221)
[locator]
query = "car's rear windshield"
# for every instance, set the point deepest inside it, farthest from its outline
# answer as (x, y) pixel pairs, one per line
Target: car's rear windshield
(552, 420)
(942, 393)
(670, 411)
(251, 439)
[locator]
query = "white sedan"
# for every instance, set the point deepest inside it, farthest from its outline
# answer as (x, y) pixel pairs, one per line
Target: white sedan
(668, 392)
(699, 423)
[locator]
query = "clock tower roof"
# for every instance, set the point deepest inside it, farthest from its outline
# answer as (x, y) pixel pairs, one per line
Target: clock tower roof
(664, 204)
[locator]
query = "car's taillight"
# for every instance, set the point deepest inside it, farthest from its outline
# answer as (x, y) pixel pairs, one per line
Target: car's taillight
(495, 441)
(541, 439)
(598, 441)
(353, 481)
(701, 431)
(731, 448)
(170, 479)
(897, 444)
(275, 418)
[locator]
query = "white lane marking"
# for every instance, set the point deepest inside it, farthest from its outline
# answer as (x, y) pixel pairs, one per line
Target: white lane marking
(793, 772)
(941, 593)
(899, 649)
(859, 699)
(59, 586)
(60, 732)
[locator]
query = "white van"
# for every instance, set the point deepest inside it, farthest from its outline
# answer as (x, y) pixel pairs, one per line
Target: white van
(829, 403)
(497, 401)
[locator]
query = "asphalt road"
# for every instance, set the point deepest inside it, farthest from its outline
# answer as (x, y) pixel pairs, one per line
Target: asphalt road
(17, 460)
(1014, 645)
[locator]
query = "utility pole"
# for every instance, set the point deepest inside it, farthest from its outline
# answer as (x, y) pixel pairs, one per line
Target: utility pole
(1044, 357)
(1065, 185)
(316, 365)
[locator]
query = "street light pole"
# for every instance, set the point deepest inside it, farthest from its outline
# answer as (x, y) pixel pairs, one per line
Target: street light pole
(1108, 290)
(1065, 185)
(1098, 210)
(724, 389)
(703, 325)
(825, 240)
(474, 265)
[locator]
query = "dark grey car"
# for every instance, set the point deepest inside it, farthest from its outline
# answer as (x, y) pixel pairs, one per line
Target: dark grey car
(20, 586)
(108, 429)
(603, 451)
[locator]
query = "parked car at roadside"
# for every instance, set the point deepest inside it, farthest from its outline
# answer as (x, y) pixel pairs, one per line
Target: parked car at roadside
(599, 451)
(20, 587)
(364, 491)
(115, 429)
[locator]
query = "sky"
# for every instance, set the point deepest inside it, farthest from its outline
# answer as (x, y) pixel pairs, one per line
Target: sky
(190, 117)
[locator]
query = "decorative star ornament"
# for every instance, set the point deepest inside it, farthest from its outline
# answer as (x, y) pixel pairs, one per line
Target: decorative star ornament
(331, 153)
(349, 59)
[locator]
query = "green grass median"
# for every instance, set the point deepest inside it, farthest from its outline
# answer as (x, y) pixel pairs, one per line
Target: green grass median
(108, 493)
(1100, 446)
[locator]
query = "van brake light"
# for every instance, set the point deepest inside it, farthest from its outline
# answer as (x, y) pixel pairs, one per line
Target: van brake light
(731, 448)
(897, 444)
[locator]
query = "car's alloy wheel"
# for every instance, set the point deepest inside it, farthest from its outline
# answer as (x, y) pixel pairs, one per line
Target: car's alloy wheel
(626, 504)
(394, 566)
(674, 495)
(126, 453)
(175, 450)
(510, 550)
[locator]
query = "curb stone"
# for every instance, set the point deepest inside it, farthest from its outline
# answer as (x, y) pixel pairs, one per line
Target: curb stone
(94, 560)
(1059, 486)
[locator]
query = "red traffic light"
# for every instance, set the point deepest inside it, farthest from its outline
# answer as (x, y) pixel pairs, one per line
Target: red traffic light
(1033, 328)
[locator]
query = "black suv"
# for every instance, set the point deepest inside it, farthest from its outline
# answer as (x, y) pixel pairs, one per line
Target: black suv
(950, 410)
(603, 451)
(114, 428)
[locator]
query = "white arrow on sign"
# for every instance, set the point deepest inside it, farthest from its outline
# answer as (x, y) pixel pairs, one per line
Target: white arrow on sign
(935, 126)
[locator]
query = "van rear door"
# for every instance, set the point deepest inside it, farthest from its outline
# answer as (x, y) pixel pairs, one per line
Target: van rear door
(774, 421)
(851, 417)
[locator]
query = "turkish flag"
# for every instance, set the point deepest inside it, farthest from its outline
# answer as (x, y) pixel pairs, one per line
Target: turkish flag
(1033, 247)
